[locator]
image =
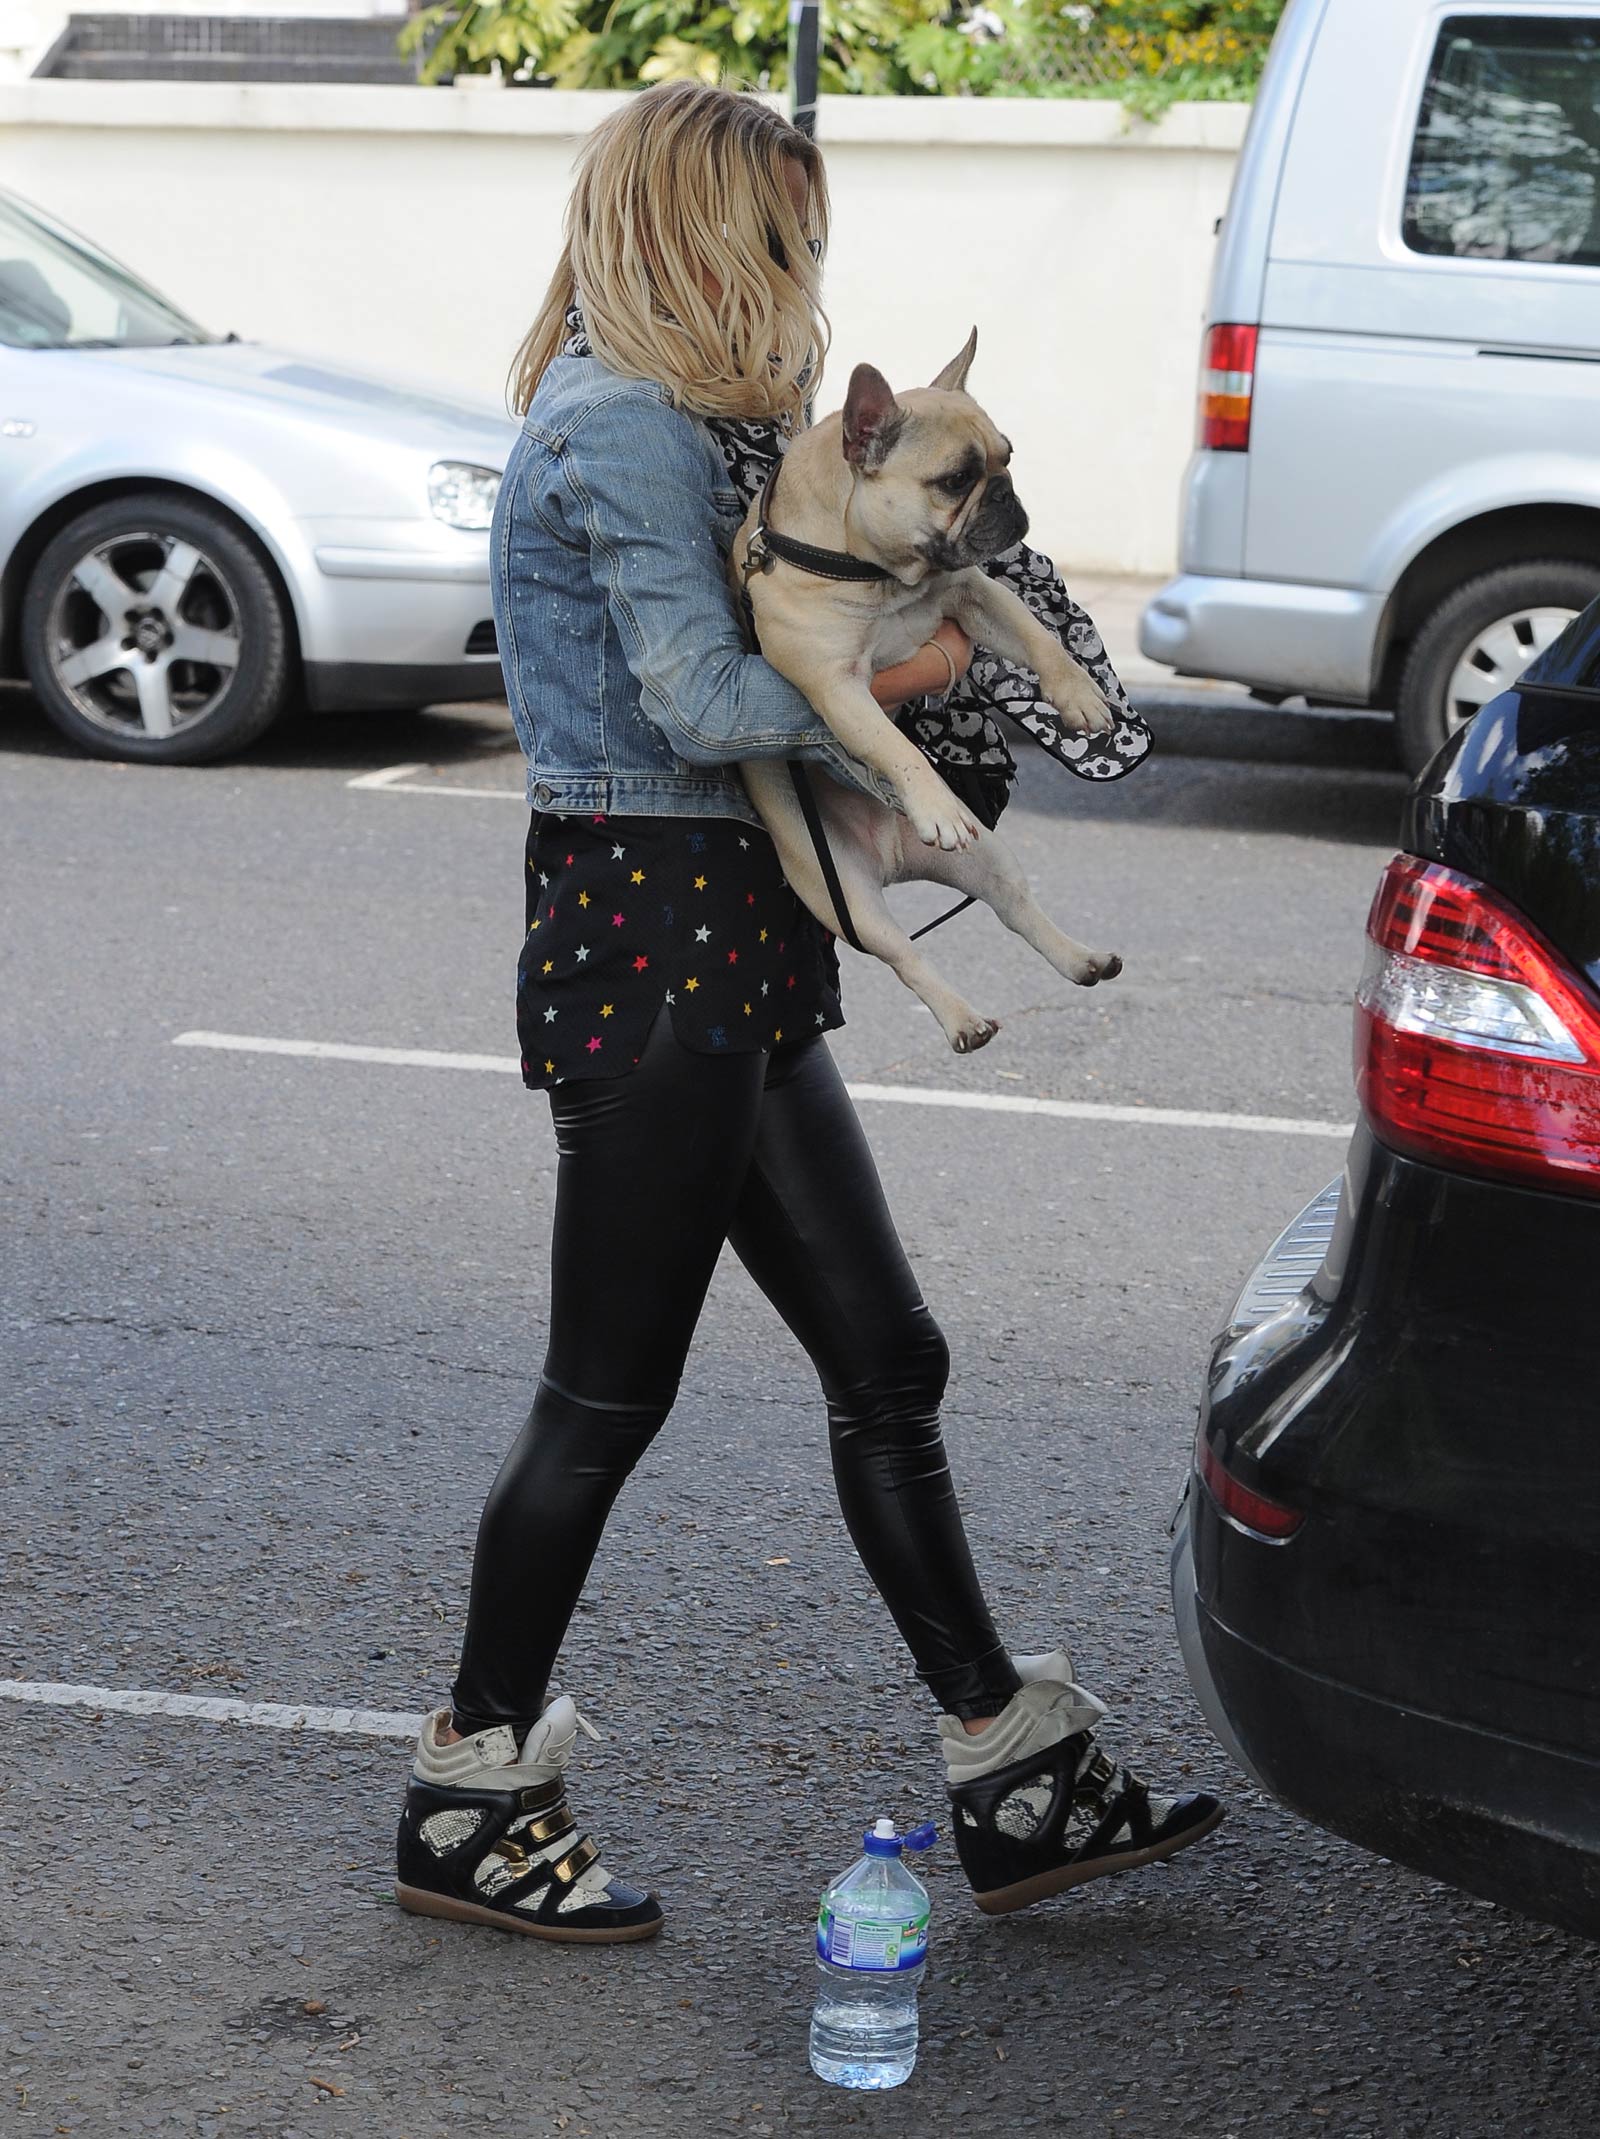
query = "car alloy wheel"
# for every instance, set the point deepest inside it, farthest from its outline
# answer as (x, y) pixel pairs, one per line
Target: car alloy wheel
(155, 629)
(1471, 649)
(145, 635)
(1496, 658)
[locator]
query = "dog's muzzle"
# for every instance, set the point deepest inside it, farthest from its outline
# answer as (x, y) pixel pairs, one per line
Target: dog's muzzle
(995, 522)
(998, 521)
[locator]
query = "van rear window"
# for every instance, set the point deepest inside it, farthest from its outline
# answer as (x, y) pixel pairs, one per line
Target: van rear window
(1506, 164)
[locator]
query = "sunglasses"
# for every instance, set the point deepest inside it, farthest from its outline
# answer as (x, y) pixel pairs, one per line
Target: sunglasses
(780, 258)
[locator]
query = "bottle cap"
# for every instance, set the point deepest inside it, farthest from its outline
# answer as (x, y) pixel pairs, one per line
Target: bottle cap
(881, 1840)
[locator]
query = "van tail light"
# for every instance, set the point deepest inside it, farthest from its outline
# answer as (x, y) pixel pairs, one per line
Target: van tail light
(1252, 1511)
(1227, 386)
(1477, 1044)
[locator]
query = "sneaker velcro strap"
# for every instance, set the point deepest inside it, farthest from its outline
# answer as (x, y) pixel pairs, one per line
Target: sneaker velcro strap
(542, 1797)
(549, 1826)
(1124, 1805)
(1099, 1772)
(578, 1859)
(511, 1848)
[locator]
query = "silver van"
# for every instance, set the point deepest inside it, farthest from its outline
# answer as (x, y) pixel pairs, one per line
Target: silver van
(1395, 495)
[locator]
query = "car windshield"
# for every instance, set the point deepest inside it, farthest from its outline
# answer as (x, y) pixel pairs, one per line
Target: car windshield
(58, 292)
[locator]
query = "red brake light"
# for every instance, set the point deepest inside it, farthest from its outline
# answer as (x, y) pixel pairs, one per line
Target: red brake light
(1227, 386)
(1477, 1045)
(1265, 1518)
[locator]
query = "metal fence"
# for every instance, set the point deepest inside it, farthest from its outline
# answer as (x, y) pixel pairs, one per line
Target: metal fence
(1102, 48)
(1071, 53)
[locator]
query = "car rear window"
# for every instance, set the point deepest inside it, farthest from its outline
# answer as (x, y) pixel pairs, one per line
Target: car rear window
(1572, 662)
(1506, 164)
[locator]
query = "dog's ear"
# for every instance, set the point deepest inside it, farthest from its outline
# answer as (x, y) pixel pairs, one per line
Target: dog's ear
(872, 419)
(954, 376)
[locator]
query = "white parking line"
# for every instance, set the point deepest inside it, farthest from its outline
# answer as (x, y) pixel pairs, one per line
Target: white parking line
(397, 780)
(387, 777)
(242, 1043)
(899, 1095)
(204, 1708)
(1095, 1110)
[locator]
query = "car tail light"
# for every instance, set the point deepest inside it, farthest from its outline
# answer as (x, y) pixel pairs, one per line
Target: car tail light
(1227, 385)
(1252, 1511)
(1477, 1044)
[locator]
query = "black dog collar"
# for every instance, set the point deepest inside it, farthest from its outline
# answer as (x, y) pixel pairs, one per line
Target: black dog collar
(765, 544)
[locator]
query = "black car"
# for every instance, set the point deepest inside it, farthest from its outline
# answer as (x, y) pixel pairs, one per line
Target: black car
(1386, 1566)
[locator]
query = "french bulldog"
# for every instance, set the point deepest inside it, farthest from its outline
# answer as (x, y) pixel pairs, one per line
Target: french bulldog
(919, 486)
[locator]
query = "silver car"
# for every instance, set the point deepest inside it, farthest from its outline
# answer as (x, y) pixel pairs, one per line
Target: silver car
(1396, 496)
(196, 531)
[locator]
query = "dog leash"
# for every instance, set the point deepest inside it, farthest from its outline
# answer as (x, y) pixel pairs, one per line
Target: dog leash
(819, 840)
(830, 873)
(764, 545)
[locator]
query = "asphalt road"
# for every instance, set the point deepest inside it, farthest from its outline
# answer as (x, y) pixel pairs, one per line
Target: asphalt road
(269, 1322)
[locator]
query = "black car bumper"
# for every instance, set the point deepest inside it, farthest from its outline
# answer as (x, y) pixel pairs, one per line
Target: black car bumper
(1517, 1823)
(1418, 1666)
(383, 686)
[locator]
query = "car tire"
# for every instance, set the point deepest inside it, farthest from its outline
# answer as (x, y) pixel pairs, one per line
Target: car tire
(1478, 641)
(153, 630)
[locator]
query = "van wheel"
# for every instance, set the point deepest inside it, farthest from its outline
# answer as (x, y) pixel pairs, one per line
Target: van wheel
(1477, 643)
(153, 630)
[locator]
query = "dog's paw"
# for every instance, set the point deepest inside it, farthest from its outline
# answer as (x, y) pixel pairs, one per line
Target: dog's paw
(969, 1038)
(1081, 706)
(1104, 965)
(949, 826)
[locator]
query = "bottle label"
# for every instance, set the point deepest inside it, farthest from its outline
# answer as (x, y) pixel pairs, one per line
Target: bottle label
(877, 1946)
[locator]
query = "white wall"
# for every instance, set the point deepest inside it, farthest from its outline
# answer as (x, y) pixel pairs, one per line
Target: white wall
(28, 28)
(415, 229)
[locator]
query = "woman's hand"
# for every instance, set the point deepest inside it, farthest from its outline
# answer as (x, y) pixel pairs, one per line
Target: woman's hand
(927, 674)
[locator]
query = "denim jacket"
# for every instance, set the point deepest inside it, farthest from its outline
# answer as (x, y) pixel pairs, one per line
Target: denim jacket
(630, 687)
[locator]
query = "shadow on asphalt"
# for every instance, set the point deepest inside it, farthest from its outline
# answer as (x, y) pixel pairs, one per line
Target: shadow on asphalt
(1224, 762)
(1236, 767)
(1193, 725)
(334, 742)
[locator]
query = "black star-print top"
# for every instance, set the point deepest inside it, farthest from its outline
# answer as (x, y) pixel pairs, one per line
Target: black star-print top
(624, 913)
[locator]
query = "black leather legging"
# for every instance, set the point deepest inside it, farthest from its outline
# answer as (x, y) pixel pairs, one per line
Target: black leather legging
(656, 1170)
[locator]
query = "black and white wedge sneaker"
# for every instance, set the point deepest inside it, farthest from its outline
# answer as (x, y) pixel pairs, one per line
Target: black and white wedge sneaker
(486, 1838)
(1039, 1808)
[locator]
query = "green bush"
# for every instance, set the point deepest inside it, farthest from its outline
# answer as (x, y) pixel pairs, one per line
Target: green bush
(1147, 52)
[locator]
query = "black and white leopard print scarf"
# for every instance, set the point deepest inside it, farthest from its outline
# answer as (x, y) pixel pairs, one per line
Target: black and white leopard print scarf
(959, 731)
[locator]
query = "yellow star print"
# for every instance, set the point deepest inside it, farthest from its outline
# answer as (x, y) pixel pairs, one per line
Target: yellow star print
(549, 1069)
(583, 898)
(549, 965)
(606, 1009)
(763, 935)
(691, 985)
(777, 1036)
(699, 883)
(637, 877)
(747, 1009)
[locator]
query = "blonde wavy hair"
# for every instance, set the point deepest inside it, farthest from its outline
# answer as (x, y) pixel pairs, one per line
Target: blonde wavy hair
(684, 249)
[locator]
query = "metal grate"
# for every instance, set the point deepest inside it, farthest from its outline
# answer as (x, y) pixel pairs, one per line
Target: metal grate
(228, 48)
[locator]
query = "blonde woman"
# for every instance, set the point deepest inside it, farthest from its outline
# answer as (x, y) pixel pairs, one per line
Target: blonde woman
(673, 1000)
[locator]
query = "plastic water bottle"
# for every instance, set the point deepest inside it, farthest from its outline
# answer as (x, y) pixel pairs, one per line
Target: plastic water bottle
(872, 1946)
